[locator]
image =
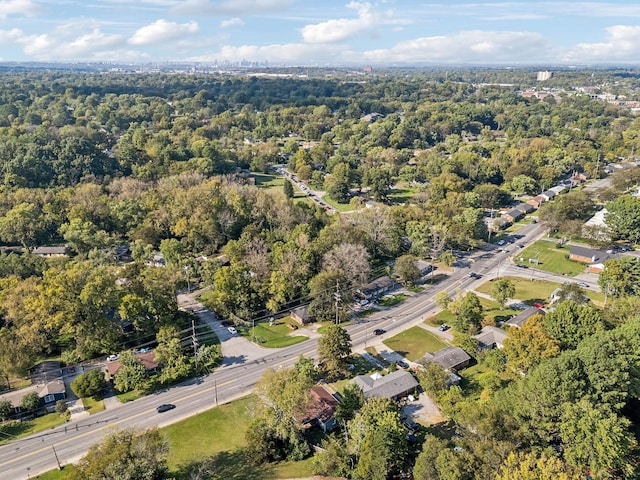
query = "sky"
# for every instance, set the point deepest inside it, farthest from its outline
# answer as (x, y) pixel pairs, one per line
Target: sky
(322, 32)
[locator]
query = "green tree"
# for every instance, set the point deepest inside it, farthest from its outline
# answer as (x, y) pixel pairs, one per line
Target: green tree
(170, 355)
(288, 188)
(433, 379)
(468, 313)
(61, 407)
(523, 184)
(89, 384)
(597, 438)
(533, 466)
(132, 375)
(572, 291)
(334, 349)
(405, 269)
(125, 455)
(623, 218)
(6, 409)
(503, 290)
(570, 322)
(352, 401)
(30, 403)
(443, 299)
(620, 277)
(22, 224)
(447, 258)
(527, 346)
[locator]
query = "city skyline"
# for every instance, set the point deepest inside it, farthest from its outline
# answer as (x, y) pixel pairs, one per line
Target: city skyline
(313, 33)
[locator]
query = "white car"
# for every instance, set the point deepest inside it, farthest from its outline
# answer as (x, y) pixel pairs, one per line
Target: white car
(113, 358)
(232, 330)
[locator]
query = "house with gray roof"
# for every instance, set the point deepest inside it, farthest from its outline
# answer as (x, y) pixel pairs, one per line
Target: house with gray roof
(525, 208)
(55, 251)
(395, 385)
(518, 320)
(513, 215)
(548, 195)
(490, 337)
(450, 358)
(378, 287)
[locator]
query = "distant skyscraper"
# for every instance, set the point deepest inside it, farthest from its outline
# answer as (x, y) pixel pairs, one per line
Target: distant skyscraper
(542, 76)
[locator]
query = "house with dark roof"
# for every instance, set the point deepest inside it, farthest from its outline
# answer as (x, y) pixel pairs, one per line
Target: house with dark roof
(525, 208)
(450, 358)
(594, 258)
(45, 372)
(518, 320)
(502, 223)
(321, 410)
(378, 287)
(147, 359)
(301, 314)
(51, 393)
(513, 215)
(423, 266)
(395, 385)
(548, 195)
(490, 337)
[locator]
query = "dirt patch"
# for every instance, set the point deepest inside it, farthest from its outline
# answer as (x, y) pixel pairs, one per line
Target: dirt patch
(423, 410)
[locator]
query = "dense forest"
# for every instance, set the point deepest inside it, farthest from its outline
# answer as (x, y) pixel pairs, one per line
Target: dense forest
(166, 163)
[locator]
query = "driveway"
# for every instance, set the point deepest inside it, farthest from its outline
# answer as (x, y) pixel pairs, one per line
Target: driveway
(235, 349)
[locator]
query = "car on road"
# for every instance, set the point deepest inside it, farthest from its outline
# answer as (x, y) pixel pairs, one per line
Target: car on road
(583, 284)
(521, 265)
(402, 364)
(165, 407)
(520, 245)
(379, 331)
(443, 327)
(475, 275)
(501, 243)
(538, 305)
(113, 358)
(232, 330)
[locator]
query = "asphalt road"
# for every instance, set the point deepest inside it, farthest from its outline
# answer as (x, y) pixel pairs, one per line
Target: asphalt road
(35, 454)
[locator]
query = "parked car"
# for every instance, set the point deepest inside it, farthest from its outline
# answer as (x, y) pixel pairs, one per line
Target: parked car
(583, 284)
(232, 330)
(538, 305)
(521, 265)
(379, 331)
(443, 327)
(165, 407)
(402, 364)
(501, 243)
(113, 358)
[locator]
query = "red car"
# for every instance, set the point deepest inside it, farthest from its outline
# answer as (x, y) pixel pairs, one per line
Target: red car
(538, 305)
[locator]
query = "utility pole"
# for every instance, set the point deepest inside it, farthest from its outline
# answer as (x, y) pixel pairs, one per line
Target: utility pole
(57, 459)
(338, 298)
(215, 390)
(194, 341)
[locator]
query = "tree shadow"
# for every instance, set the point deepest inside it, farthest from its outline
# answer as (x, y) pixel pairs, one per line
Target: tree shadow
(224, 466)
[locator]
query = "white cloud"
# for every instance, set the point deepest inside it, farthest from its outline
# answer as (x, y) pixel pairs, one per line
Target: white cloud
(10, 36)
(468, 47)
(229, 7)
(162, 31)
(232, 22)
(622, 43)
(337, 30)
(19, 7)
(292, 53)
(90, 46)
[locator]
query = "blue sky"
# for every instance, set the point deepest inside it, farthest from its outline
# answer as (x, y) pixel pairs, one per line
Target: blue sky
(322, 32)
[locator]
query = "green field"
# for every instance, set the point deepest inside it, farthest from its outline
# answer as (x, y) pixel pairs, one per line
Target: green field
(443, 316)
(392, 300)
(536, 290)
(341, 207)
(414, 343)
(274, 336)
(552, 259)
(14, 430)
(93, 406)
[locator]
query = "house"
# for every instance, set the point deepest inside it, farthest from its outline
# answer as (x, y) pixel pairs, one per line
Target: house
(548, 195)
(502, 223)
(525, 208)
(56, 251)
(536, 202)
(45, 372)
(558, 189)
(513, 215)
(596, 227)
(594, 258)
(147, 359)
(51, 393)
(321, 410)
(378, 287)
(157, 260)
(423, 266)
(450, 358)
(490, 337)
(301, 314)
(395, 385)
(122, 254)
(518, 320)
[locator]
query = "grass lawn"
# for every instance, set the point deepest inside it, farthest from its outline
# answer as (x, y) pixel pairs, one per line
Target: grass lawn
(14, 430)
(324, 326)
(415, 288)
(131, 396)
(414, 343)
(392, 300)
(552, 259)
(93, 406)
(443, 316)
(341, 207)
(56, 474)
(492, 310)
(268, 181)
(274, 336)
(537, 290)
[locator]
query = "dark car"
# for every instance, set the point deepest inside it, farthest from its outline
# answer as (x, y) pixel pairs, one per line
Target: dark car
(379, 331)
(402, 364)
(521, 265)
(165, 407)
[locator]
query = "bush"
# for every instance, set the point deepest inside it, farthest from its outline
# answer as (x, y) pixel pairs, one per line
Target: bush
(30, 402)
(89, 384)
(61, 407)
